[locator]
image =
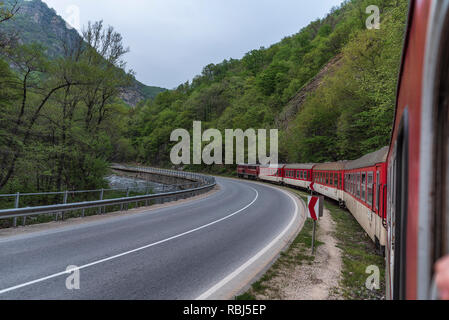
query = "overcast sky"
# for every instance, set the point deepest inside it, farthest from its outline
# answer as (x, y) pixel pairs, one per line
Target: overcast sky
(172, 40)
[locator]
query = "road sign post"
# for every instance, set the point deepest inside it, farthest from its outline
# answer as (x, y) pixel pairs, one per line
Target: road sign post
(314, 212)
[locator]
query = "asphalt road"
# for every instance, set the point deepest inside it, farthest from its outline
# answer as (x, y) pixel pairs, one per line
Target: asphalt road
(178, 252)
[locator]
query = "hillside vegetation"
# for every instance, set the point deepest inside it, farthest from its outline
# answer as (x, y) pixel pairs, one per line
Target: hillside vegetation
(348, 114)
(330, 89)
(61, 118)
(35, 22)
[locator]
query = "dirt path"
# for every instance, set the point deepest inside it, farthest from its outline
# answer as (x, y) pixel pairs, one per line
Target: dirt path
(311, 279)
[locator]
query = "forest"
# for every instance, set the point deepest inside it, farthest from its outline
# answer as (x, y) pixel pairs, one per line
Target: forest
(62, 121)
(348, 115)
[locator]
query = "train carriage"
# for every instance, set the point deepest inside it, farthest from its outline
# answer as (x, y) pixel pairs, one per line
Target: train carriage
(298, 175)
(365, 194)
(418, 170)
(249, 171)
(328, 179)
(272, 173)
(415, 176)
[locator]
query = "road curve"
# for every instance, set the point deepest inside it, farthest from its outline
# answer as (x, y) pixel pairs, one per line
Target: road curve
(186, 251)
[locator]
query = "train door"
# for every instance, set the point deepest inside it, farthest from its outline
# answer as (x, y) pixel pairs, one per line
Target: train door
(434, 154)
(397, 209)
(377, 190)
(439, 242)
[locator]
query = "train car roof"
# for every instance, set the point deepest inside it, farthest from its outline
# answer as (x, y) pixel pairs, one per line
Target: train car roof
(305, 166)
(273, 166)
(340, 165)
(369, 159)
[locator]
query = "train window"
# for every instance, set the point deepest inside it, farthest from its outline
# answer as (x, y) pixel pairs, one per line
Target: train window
(398, 210)
(327, 177)
(370, 188)
(377, 190)
(336, 179)
(363, 186)
(353, 184)
(358, 185)
(301, 175)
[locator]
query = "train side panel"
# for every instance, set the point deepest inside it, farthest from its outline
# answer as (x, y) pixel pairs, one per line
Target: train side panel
(271, 173)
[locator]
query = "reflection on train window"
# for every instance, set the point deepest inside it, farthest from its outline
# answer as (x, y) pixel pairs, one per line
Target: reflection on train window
(363, 186)
(377, 190)
(358, 185)
(370, 188)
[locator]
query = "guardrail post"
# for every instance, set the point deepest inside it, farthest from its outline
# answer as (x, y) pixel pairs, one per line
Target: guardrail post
(66, 193)
(101, 198)
(147, 192)
(163, 191)
(16, 205)
(127, 195)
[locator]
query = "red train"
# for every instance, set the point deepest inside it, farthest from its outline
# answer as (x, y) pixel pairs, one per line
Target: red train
(359, 185)
(400, 194)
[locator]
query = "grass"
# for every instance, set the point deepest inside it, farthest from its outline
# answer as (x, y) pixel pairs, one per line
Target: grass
(358, 252)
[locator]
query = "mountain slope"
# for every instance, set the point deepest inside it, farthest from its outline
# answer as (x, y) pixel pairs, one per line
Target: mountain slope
(36, 22)
(326, 108)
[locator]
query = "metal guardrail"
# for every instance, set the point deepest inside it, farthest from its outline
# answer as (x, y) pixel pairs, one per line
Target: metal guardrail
(199, 184)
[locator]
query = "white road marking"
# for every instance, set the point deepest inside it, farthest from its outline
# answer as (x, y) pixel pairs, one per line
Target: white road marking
(248, 263)
(129, 252)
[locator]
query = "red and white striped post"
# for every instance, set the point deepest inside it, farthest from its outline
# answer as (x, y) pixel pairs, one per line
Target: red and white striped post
(314, 212)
